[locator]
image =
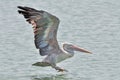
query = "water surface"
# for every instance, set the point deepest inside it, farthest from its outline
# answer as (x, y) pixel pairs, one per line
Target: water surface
(91, 24)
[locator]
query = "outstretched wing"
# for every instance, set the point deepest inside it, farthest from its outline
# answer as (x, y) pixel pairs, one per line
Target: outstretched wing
(46, 29)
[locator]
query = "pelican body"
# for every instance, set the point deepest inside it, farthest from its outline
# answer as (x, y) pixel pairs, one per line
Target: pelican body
(45, 26)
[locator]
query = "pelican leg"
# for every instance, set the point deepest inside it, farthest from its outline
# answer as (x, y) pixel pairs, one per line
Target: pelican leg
(59, 69)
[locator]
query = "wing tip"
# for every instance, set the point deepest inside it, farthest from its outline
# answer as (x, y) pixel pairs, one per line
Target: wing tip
(19, 12)
(20, 7)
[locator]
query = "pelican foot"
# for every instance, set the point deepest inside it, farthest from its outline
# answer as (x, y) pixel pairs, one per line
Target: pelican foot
(60, 69)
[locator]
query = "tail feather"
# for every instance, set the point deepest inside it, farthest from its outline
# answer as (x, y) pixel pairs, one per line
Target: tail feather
(42, 64)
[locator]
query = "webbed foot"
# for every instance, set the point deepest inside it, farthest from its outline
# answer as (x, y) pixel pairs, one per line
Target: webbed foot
(60, 69)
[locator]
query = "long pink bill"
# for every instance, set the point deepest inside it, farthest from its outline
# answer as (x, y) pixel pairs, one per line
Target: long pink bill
(81, 50)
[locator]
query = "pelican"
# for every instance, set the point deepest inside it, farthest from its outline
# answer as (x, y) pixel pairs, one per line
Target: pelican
(45, 26)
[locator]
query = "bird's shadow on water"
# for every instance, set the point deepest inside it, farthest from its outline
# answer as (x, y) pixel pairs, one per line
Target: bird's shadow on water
(49, 77)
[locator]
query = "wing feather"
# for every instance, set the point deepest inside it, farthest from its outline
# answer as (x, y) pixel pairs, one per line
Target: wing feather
(47, 26)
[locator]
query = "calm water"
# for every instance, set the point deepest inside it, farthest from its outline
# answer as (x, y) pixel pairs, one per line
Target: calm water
(91, 24)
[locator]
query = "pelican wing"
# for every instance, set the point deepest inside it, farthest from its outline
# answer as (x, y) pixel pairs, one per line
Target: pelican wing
(46, 29)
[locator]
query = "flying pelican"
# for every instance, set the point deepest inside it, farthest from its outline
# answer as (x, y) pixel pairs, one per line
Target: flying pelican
(45, 26)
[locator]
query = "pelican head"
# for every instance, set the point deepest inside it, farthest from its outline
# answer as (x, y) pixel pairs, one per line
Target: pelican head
(68, 48)
(71, 48)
